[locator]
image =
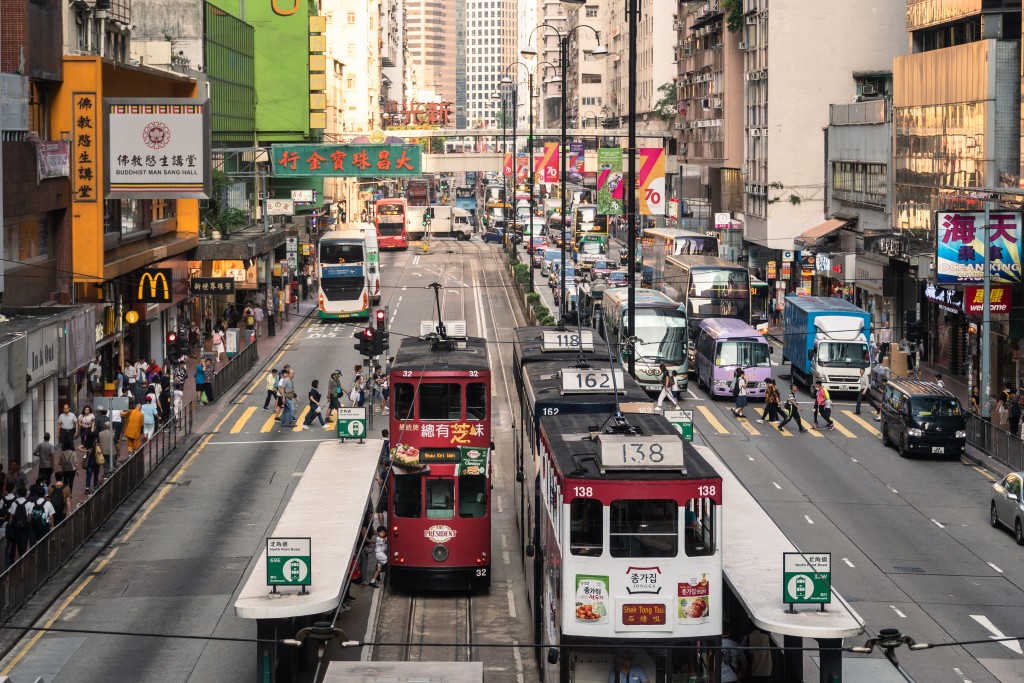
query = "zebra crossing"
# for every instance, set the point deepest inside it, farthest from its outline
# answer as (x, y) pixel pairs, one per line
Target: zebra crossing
(848, 424)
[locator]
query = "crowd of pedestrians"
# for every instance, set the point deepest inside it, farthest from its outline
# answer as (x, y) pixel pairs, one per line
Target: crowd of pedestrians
(369, 390)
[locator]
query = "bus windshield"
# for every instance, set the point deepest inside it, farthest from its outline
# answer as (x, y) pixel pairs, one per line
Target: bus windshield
(747, 353)
(719, 284)
(696, 246)
(849, 354)
(663, 331)
(588, 215)
(337, 252)
(390, 209)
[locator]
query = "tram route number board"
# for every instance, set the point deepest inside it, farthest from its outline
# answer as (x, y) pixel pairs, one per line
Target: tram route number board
(591, 381)
(682, 420)
(656, 452)
(806, 578)
(351, 423)
(289, 562)
(568, 340)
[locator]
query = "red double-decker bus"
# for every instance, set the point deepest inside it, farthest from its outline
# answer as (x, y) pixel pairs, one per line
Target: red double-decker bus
(392, 224)
(439, 507)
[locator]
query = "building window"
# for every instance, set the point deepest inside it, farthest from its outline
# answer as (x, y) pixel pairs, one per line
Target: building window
(351, 18)
(591, 11)
(27, 240)
(591, 78)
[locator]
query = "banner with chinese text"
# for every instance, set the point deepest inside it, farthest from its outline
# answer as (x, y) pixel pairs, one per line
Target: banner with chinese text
(609, 181)
(961, 241)
(347, 161)
(652, 181)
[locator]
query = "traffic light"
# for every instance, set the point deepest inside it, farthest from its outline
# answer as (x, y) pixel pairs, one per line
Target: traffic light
(382, 319)
(172, 338)
(367, 340)
(378, 343)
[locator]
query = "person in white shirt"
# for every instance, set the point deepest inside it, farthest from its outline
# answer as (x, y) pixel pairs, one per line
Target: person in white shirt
(132, 373)
(48, 512)
(864, 392)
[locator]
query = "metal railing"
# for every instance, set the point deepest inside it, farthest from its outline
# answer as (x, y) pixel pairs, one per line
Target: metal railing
(234, 369)
(43, 559)
(996, 442)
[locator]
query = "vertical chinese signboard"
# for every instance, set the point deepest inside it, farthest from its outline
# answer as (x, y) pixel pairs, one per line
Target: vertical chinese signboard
(652, 181)
(83, 134)
(961, 241)
(609, 181)
(161, 149)
(347, 161)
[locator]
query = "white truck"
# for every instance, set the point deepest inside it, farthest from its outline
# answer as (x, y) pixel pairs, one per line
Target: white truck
(440, 221)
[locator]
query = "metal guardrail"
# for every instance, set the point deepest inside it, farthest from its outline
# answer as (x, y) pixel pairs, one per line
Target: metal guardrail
(233, 370)
(43, 559)
(996, 442)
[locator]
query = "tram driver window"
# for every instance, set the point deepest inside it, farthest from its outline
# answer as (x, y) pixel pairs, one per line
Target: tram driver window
(440, 498)
(644, 528)
(473, 495)
(408, 495)
(440, 401)
(476, 401)
(699, 520)
(586, 527)
(405, 395)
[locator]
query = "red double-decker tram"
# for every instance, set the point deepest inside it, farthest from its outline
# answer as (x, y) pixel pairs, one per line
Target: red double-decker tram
(439, 503)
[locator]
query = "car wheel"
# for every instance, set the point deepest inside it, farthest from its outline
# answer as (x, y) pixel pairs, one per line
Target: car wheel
(1018, 532)
(993, 516)
(885, 435)
(903, 447)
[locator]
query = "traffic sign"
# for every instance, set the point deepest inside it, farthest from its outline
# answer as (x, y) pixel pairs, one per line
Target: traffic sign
(289, 562)
(806, 578)
(351, 423)
(682, 420)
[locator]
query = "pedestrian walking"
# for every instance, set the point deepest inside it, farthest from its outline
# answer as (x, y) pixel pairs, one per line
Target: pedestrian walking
(380, 553)
(44, 451)
(257, 312)
(884, 339)
(60, 499)
(271, 384)
(149, 414)
(200, 377)
(218, 343)
(315, 412)
(67, 426)
(40, 514)
(15, 477)
(68, 469)
(210, 373)
(92, 470)
(864, 392)
(739, 392)
(18, 526)
(1013, 410)
(334, 394)
(975, 401)
(133, 425)
(667, 385)
(117, 424)
(938, 380)
(823, 401)
(771, 402)
(195, 341)
(792, 411)
(288, 394)
(105, 439)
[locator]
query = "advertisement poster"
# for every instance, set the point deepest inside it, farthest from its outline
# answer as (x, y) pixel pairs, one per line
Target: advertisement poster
(506, 167)
(961, 242)
(576, 159)
(694, 599)
(652, 181)
(591, 599)
(590, 163)
(549, 166)
(609, 181)
(522, 168)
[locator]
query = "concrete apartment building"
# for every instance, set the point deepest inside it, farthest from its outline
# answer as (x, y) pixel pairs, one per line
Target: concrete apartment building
(431, 50)
(545, 40)
(492, 43)
(587, 76)
(354, 44)
(656, 41)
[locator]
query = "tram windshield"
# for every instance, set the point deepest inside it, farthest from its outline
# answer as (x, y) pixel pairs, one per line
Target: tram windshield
(476, 401)
(586, 527)
(644, 528)
(473, 496)
(408, 496)
(440, 498)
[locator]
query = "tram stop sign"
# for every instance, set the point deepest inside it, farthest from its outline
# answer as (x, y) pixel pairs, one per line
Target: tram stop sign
(351, 423)
(682, 420)
(289, 562)
(806, 578)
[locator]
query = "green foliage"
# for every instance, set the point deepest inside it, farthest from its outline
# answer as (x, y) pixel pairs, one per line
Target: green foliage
(733, 15)
(666, 106)
(521, 271)
(218, 216)
(546, 320)
(532, 298)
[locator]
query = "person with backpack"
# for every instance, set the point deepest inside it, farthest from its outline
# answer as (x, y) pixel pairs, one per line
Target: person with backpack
(334, 393)
(68, 469)
(218, 343)
(18, 527)
(739, 392)
(40, 514)
(823, 401)
(667, 385)
(315, 412)
(792, 409)
(60, 499)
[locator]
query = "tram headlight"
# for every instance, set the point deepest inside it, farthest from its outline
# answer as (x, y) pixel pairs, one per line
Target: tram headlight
(439, 553)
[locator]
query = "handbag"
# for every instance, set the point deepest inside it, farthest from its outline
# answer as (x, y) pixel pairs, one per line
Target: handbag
(354, 394)
(100, 460)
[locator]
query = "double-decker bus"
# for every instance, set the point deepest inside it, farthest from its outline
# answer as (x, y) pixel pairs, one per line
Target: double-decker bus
(439, 506)
(393, 223)
(656, 244)
(708, 287)
(343, 285)
(660, 331)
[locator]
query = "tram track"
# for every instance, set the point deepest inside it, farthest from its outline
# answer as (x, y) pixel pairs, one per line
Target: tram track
(440, 629)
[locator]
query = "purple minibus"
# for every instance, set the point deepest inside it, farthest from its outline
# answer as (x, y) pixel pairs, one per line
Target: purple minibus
(724, 344)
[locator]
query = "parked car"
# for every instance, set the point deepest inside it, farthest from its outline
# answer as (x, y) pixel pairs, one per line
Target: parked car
(493, 236)
(1006, 507)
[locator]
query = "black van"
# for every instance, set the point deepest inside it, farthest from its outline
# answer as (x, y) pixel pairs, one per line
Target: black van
(921, 417)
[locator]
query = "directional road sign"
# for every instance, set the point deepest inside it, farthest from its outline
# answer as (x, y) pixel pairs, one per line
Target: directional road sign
(682, 420)
(289, 562)
(351, 423)
(806, 577)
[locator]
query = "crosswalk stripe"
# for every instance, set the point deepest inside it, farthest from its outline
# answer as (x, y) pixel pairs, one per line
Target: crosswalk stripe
(844, 430)
(268, 425)
(745, 423)
(863, 423)
(299, 420)
(240, 422)
(706, 412)
(815, 432)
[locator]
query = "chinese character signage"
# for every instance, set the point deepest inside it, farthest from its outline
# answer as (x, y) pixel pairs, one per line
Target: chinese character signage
(280, 207)
(212, 285)
(161, 148)
(652, 181)
(998, 299)
(609, 181)
(347, 161)
(155, 286)
(52, 159)
(83, 138)
(961, 243)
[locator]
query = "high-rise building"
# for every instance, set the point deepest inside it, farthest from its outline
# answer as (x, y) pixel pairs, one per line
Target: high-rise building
(492, 44)
(432, 52)
(655, 41)
(354, 40)
(587, 79)
(549, 78)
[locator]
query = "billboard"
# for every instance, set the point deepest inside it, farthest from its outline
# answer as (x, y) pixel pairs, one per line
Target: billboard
(652, 181)
(548, 168)
(961, 241)
(161, 149)
(347, 161)
(576, 159)
(609, 181)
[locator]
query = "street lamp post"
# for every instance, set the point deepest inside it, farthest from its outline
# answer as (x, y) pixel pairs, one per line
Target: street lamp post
(563, 53)
(507, 81)
(633, 10)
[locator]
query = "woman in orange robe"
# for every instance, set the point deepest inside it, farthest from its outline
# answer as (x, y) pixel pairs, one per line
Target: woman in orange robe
(133, 423)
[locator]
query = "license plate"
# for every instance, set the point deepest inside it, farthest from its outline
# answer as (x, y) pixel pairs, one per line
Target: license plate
(938, 449)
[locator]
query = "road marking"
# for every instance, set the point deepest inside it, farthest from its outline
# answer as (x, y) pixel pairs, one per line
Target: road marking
(854, 460)
(501, 507)
(269, 424)
(520, 678)
(984, 473)
(994, 567)
(240, 423)
(706, 412)
(848, 563)
(749, 427)
(693, 396)
(900, 614)
(816, 432)
(776, 486)
(809, 520)
(863, 423)
(511, 600)
(844, 431)
(299, 420)
(934, 521)
(1012, 645)
(249, 443)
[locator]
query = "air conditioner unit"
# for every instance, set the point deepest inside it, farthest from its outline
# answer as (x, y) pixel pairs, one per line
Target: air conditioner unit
(755, 75)
(744, 46)
(756, 132)
(717, 103)
(751, 19)
(764, 132)
(867, 89)
(764, 73)
(680, 126)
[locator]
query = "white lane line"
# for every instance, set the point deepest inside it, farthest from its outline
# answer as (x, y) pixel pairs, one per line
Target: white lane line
(994, 567)
(694, 396)
(900, 614)
(404, 288)
(1013, 645)
(501, 506)
(520, 678)
(854, 459)
(511, 600)
(960, 673)
(848, 563)
(416, 260)
(371, 626)
(399, 299)
(938, 523)
(894, 491)
(750, 458)
(809, 520)
(776, 486)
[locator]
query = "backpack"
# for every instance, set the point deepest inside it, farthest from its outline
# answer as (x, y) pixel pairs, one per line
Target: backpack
(1014, 405)
(67, 460)
(58, 501)
(40, 524)
(735, 387)
(20, 517)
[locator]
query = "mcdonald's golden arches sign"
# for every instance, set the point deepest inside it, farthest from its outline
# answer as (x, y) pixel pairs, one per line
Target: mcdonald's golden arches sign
(155, 286)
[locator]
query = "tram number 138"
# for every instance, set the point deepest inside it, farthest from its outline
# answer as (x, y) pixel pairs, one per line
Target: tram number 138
(640, 453)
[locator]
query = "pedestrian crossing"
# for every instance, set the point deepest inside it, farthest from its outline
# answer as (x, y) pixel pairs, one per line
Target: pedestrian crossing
(254, 420)
(848, 424)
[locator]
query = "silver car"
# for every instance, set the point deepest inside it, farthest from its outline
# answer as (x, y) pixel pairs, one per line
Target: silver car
(1007, 508)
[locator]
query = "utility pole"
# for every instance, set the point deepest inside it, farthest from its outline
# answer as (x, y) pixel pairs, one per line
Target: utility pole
(633, 9)
(986, 318)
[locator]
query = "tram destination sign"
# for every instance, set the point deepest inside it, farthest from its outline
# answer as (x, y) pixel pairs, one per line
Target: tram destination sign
(806, 578)
(568, 340)
(591, 381)
(657, 452)
(439, 455)
(289, 562)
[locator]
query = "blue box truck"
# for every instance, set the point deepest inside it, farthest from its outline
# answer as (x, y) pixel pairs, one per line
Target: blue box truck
(826, 339)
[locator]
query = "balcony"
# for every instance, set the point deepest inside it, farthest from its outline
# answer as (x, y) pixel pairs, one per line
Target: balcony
(857, 113)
